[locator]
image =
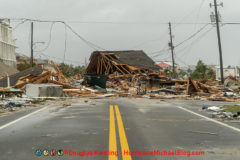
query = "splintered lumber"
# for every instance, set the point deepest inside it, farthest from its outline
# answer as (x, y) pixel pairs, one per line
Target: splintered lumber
(122, 62)
(72, 91)
(208, 89)
(22, 83)
(87, 95)
(132, 68)
(115, 64)
(213, 91)
(42, 79)
(25, 77)
(194, 85)
(98, 64)
(188, 87)
(63, 84)
(61, 77)
(122, 66)
(176, 81)
(202, 86)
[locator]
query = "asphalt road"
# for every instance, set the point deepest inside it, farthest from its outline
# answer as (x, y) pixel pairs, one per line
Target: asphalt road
(117, 125)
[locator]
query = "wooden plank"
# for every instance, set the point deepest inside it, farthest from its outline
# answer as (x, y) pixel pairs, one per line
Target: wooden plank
(101, 66)
(114, 64)
(64, 85)
(19, 85)
(188, 85)
(25, 77)
(109, 65)
(104, 65)
(125, 69)
(60, 74)
(195, 85)
(45, 78)
(98, 66)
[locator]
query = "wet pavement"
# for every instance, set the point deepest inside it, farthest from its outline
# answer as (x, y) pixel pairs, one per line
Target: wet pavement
(140, 124)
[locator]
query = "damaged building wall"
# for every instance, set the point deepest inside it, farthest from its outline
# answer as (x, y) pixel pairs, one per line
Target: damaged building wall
(7, 44)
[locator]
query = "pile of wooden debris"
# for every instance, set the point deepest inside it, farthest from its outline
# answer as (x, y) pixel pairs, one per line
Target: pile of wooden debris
(124, 74)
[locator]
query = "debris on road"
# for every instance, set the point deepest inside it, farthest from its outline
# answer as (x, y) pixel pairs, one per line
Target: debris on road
(224, 112)
(117, 74)
(214, 109)
(123, 74)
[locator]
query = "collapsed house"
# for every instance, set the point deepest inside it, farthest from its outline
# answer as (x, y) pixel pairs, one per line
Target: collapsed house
(134, 66)
(123, 62)
(117, 73)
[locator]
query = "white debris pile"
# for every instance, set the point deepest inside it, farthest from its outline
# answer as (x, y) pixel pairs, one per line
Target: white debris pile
(221, 113)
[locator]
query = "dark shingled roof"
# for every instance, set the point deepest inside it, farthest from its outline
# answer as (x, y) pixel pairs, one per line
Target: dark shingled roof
(14, 78)
(7, 69)
(134, 58)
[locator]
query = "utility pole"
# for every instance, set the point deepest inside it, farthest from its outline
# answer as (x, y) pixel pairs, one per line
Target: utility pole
(31, 59)
(172, 49)
(217, 18)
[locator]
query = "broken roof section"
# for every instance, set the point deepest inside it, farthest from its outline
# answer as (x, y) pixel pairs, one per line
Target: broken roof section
(15, 77)
(6, 70)
(124, 62)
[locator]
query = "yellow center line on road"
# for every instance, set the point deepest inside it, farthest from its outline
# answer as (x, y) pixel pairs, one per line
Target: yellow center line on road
(122, 135)
(112, 136)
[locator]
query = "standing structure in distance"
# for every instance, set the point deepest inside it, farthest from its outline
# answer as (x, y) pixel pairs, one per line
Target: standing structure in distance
(7, 43)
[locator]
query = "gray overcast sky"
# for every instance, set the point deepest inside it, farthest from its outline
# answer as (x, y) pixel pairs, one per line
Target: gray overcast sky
(147, 29)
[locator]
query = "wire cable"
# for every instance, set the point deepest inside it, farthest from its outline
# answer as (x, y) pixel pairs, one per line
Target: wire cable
(61, 59)
(90, 44)
(196, 40)
(49, 41)
(192, 36)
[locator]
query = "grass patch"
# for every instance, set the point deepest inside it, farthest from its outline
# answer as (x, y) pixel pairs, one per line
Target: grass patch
(233, 109)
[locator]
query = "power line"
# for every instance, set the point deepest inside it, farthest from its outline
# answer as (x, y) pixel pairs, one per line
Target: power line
(149, 41)
(61, 59)
(90, 44)
(111, 22)
(134, 23)
(165, 52)
(184, 41)
(50, 38)
(164, 23)
(8, 35)
(166, 58)
(198, 14)
(196, 40)
(22, 22)
(197, 18)
(165, 48)
(181, 60)
(192, 36)
(232, 23)
(114, 22)
(185, 17)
